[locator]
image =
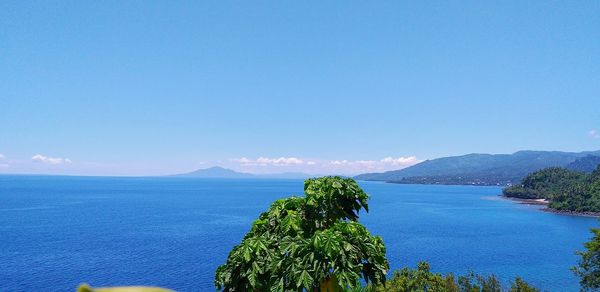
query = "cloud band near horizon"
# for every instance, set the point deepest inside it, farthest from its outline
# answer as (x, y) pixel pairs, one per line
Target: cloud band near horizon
(50, 160)
(318, 166)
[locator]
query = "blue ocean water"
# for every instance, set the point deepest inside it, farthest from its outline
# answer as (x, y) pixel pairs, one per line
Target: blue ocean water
(56, 232)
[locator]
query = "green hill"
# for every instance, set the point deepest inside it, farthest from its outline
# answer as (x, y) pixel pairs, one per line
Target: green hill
(567, 190)
(585, 164)
(480, 169)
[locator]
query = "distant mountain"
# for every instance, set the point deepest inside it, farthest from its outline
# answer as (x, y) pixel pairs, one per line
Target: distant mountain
(479, 169)
(215, 172)
(585, 164)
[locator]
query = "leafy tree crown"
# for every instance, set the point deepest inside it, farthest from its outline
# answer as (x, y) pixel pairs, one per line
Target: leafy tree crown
(308, 243)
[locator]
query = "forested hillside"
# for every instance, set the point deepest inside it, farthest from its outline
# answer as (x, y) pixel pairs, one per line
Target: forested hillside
(482, 169)
(567, 190)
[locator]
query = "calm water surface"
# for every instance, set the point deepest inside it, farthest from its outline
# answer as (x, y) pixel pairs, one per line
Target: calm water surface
(56, 232)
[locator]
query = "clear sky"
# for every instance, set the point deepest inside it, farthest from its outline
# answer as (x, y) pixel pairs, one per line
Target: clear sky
(157, 87)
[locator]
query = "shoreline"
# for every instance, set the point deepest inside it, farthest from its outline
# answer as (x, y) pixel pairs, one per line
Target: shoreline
(544, 202)
(572, 213)
(535, 202)
(527, 201)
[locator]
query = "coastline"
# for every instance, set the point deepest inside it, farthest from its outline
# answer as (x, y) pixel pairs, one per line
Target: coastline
(527, 201)
(537, 202)
(544, 202)
(572, 213)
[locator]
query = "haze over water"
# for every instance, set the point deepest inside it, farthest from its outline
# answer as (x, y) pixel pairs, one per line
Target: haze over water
(60, 231)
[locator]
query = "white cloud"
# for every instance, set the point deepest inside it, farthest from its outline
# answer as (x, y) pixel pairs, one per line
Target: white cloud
(280, 160)
(2, 156)
(594, 133)
(360, 166)
(243, 160)
(401, 161)
(264, 161)
(49, 160)
(353, 162)
(316, 166)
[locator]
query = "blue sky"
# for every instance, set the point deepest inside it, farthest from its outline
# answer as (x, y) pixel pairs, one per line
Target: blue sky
(141, 87)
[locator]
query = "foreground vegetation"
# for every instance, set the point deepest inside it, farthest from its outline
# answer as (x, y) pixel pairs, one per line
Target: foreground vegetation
(315, 243)
(566, 190)
(588, 269)
(308, 243)
(422, 279)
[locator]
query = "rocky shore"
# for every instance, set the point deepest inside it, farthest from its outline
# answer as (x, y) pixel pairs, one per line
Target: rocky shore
(544, 202)
(572, 213)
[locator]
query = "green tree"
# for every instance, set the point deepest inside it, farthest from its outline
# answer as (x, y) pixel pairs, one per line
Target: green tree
(472, 282)
(308, 243)
(417, 280)
(566, 190)
(521, 286)
(423, 280)
(588, 269)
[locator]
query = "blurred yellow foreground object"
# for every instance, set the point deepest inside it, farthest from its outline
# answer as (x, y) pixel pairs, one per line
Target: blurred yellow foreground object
(87, 288)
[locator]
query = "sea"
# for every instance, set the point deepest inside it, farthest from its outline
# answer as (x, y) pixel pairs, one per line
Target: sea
(59, 231)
